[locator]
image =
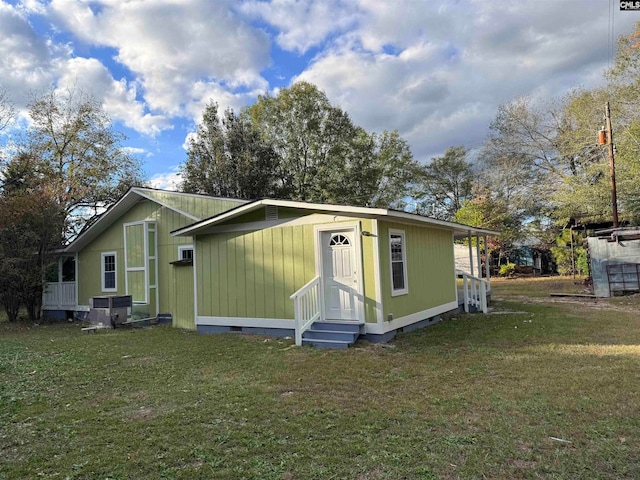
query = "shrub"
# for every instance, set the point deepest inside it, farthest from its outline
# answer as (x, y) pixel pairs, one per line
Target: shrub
(507, 269)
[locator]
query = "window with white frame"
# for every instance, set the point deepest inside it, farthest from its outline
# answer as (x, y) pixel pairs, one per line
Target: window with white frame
(109, 275)
(185, 252)
(398, 259)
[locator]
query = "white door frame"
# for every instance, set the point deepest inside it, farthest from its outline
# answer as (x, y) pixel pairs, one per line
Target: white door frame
(337, 227)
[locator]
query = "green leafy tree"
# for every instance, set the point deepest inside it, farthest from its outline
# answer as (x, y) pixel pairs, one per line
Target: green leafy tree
(492, 212)
(307, 133)
(568, 260)
(228, 158)
(446, 183)
(324, 157)
(31, 223)
(79, 151)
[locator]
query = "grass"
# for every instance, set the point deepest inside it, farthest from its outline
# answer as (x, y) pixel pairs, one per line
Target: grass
(550, 390)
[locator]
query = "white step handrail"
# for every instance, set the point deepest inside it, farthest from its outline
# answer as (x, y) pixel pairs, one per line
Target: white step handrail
(475, 291)
(306, 307)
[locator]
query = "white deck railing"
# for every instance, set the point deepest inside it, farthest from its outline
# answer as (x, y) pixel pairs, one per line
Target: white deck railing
(306, 307)
(475, 291)
(60, 295)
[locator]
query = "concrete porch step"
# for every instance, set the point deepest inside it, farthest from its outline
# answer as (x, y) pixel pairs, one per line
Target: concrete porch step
(320, 343)
(336, 326)
(337, 335)
(331, 335)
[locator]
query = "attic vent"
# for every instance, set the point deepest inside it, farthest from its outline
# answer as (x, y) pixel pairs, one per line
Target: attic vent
(271, 212)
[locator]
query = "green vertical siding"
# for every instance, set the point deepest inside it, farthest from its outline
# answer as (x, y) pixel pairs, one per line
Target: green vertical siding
(252, 274)
(197, 205)
(430, 269)
(368, 275)
(175, 284)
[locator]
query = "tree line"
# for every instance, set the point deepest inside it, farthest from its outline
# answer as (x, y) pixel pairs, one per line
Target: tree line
(296, 145)
(538, 171)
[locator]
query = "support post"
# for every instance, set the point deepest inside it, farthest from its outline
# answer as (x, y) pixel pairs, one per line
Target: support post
(470, 254)
(486, 259)
(478, 256)
(612, 167)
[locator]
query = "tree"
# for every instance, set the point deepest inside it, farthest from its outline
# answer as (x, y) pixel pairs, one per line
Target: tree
(79, 151)
(446, 183)
(228, 158)
(307, 133)
(491, 211)
(31, 223)
(324, 157)
(7, 109)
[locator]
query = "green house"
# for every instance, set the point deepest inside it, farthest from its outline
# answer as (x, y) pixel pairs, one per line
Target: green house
(313, 271)
(130, 250)
(293, 268)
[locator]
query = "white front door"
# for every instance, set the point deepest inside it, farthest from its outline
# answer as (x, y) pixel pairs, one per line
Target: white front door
(340, 275)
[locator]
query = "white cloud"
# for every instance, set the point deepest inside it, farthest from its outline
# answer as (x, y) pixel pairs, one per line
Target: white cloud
(118, 97)
(437, 71)
(136, 151)
(170, 180)
(25, 57)
(303, 24)
(170, 46)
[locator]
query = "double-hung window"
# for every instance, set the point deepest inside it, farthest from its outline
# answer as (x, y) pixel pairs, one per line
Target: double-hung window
(398, 259)
(109, 274)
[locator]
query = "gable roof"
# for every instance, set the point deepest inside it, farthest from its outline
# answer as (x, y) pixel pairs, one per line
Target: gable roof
(380, 213)
(192, 206)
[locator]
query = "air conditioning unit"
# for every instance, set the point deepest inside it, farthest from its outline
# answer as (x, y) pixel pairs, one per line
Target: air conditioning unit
(109, 310)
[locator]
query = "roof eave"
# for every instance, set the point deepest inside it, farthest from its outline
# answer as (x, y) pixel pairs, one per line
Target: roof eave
(201, 227)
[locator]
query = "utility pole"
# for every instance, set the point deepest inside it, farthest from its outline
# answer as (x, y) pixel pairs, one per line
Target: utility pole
(612, 166)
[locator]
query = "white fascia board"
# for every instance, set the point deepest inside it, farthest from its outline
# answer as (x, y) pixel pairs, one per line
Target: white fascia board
(104, 221)
(458, 229)
(198, 227)
(195, 228)
(185, 194)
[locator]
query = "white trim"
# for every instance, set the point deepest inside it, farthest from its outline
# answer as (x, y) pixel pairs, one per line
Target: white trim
(365, 211)
(195, 285)
(115, 271)
(337, 227)
(377, 275)
(76, 273)
(155, 259)
(282, 222)
(182, 248)
(146, 224)
(246, 322)
(455, 274)
(186, 194)
(400, 291)
(410, 319)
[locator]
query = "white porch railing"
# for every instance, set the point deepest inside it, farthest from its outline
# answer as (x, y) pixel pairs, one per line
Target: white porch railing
(60, 295)
(306, 307)
(475, 291)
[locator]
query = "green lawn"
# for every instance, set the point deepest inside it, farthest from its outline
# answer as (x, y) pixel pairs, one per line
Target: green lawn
(550, 390)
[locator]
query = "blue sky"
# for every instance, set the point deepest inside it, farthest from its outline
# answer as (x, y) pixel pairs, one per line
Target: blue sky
(435, 70)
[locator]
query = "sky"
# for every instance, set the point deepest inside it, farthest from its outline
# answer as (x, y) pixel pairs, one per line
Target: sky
(435, 70)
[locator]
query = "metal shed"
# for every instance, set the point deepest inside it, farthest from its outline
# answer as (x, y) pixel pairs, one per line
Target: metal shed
(615, 261)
